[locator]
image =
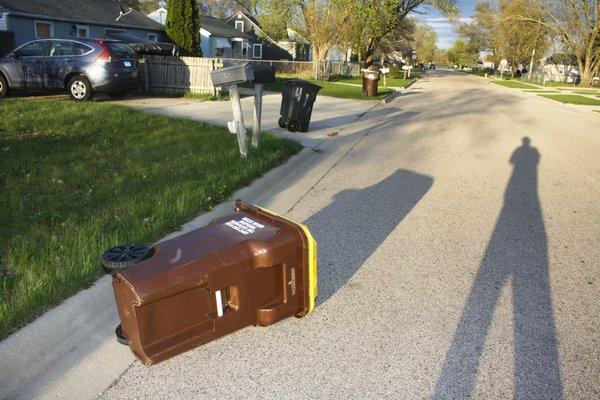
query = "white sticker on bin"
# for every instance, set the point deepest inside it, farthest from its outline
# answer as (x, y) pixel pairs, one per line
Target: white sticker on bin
(245, 226)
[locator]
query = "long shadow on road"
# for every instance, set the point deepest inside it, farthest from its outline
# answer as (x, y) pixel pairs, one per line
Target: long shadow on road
(353, 226)
(517, 254)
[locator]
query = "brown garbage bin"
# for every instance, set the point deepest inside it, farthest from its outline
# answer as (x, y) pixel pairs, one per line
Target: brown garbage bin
(371, 77)
(251, 267)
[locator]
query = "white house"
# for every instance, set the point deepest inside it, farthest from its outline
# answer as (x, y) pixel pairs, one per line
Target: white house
(217, 38)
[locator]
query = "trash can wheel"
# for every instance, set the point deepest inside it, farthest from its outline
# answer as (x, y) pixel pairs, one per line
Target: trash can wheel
(125, 255)
(293, 125)
(120, 336)
(282, 123)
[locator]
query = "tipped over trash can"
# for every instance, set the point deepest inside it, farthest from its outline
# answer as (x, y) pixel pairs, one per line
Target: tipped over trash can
(251, 267)
(370, 83)
(297, 99)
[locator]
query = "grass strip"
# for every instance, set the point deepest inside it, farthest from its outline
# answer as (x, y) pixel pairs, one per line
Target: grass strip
(572, 99)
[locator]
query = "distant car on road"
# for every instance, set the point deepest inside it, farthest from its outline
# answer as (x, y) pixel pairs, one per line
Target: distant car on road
(82, 67)
(467, 69)
(431, 66)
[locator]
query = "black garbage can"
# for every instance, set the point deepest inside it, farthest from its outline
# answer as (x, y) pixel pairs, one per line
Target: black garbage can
(297, 99)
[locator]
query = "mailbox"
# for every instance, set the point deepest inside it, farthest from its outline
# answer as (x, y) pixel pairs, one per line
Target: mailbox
(232, 75)
(251, 267)
(264, 74)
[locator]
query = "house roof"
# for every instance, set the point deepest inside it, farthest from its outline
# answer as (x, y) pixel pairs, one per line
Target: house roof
(102, 12)
(216, 27)
(247, 15)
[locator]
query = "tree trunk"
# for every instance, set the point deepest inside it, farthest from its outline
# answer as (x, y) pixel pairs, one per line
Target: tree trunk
(585, 71)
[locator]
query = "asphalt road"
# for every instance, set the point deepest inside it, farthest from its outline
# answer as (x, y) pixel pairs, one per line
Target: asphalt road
(459, 254)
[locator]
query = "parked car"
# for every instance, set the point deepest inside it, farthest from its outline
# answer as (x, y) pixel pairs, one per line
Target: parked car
(82, 67)
(467, 69)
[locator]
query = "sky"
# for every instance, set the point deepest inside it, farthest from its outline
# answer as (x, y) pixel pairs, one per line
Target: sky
(446, 33)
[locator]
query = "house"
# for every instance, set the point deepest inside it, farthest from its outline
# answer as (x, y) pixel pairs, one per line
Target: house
(296, 45)
(218, 39)
(159, 15)
(63, 19)
(263, 47)
(560, 68)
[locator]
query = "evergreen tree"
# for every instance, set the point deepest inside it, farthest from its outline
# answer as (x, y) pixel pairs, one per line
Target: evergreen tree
(183, 26)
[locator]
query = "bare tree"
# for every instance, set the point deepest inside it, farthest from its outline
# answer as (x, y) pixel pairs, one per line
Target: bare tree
(577, 24)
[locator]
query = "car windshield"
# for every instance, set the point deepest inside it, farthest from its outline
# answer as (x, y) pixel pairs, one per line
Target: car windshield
(120, 49)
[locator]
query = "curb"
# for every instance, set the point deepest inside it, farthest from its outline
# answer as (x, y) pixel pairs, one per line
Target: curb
(387, 99)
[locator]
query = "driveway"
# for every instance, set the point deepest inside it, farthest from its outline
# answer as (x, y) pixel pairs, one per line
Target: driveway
(329, 115)
(459, 249)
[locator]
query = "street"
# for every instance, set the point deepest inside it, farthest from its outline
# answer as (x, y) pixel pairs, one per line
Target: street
(458, 257)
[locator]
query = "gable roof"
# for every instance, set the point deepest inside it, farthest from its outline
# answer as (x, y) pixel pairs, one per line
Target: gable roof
(102, 12)
(216, 27)
(245, 14)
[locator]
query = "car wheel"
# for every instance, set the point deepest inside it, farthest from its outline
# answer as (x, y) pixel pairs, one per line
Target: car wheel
(282, 123)
(3, 87)
(80, 88)
(118, 95)
(293, 125)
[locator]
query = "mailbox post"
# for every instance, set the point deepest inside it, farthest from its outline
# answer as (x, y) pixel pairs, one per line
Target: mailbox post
(230, 77)
(262, 74)
(384, 72)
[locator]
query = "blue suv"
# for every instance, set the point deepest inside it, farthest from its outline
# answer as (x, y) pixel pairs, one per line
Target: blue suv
(82, 67)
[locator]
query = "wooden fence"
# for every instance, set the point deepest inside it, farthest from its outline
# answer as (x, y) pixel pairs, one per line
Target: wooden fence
(174, 76)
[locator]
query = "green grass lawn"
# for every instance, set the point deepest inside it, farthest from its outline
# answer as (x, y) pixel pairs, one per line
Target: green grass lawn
(77, 178)
(514, 84)
(206, 96)
(588, 92)
(330, 89)
(561, 85)
(572, 99)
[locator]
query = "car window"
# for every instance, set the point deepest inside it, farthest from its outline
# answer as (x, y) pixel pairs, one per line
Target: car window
(33, 49)
(61, 48)
(120, 49)
(80, 49)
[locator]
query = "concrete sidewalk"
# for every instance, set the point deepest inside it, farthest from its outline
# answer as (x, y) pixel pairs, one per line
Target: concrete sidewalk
(329, 115)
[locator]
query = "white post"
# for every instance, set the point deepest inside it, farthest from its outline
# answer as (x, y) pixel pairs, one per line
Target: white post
(238, 118)
(531, 65)
(258, 93)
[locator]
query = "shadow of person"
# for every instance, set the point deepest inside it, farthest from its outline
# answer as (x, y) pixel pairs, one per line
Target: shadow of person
(518, 254)
(356, 222)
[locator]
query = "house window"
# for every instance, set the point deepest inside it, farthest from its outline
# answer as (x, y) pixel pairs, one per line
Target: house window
(219, 52)
(257, 51)
(44, 29)
(82, 31)
(239, 25)
(109, 31)
(153, 37)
